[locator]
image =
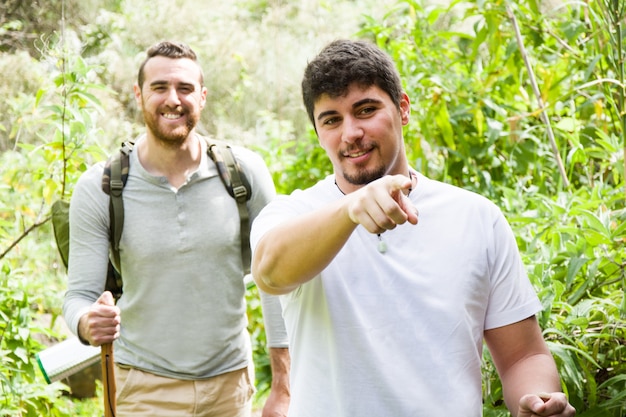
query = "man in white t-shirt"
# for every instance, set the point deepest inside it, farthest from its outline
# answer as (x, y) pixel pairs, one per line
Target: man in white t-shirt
(386, 316)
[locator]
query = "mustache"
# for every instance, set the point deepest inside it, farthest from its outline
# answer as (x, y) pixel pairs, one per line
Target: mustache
(357, 149)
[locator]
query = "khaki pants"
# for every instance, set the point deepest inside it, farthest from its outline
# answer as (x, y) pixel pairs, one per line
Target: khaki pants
(142, 394)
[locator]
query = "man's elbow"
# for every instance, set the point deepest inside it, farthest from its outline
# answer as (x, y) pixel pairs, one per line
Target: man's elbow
(267, 284)
(264, 276)
(270, 271)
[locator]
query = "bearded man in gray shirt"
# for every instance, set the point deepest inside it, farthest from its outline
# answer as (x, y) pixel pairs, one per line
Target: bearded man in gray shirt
(180, 328)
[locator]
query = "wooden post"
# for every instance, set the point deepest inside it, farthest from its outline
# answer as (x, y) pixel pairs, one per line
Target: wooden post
(108, 379)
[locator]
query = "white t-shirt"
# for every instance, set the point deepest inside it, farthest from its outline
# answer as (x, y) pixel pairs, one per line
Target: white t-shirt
(400, 333)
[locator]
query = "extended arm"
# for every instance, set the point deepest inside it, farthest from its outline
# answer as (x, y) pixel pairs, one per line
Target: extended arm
(529, 376)
(297, 250)
(294, 252)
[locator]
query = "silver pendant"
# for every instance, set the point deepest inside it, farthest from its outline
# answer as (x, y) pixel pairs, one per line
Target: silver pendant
(382, 245)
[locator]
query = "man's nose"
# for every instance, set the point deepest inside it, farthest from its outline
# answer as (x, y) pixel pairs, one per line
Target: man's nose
(172, 98)
(352, 130)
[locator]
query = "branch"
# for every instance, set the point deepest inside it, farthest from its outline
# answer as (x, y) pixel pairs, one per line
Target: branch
(533, 82)
(23, 235)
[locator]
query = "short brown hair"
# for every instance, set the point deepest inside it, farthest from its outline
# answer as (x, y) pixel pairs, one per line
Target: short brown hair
(345, 62)
(168, 49)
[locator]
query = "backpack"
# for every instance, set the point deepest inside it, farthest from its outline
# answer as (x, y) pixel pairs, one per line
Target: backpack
(114, 179)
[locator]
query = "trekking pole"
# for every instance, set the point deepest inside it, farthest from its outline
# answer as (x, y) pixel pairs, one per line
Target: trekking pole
(108, 379)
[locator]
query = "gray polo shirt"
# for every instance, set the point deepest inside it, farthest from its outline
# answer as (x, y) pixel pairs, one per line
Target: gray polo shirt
(183, 310)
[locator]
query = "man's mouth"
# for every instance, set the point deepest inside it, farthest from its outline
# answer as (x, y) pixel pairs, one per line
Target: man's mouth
(172, 116)
(356, 154)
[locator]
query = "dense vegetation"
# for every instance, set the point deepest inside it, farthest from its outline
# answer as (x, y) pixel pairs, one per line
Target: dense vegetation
(523, 102)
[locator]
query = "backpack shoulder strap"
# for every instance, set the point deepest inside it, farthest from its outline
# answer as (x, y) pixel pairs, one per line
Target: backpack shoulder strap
(238, 187)
(60, 211)
(114, 179)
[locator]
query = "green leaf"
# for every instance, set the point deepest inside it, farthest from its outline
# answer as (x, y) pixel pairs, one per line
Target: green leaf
(443, 122)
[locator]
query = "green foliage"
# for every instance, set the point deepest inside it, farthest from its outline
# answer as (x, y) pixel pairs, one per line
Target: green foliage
(18, 395)
(476, 118)
(22, 23)
(295, 163)
(260, 356)
(573, 245)
(60, 117)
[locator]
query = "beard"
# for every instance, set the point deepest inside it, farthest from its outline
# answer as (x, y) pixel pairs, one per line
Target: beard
(364, 176)
(170, 136)
(360, 174)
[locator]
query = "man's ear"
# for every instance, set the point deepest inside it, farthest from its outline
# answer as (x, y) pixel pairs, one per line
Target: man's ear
(405, 108)
(137, 92)
(203, 94)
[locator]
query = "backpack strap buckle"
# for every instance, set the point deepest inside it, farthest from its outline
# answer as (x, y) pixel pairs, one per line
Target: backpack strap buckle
(240, 192)
(116, 186)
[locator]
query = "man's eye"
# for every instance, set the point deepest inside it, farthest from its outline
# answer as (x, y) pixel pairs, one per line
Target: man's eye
(367, 110)
(330, 121)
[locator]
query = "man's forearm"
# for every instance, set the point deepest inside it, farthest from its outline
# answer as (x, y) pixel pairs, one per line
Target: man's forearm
(280, 362)
(296, 251)
(533, 375)
(277, 404)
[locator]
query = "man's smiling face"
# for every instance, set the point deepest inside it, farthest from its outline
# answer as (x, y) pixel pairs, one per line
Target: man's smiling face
(171, 98)
(362, 133)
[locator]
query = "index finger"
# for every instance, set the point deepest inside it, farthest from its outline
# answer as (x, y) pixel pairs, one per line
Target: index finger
(400, 183)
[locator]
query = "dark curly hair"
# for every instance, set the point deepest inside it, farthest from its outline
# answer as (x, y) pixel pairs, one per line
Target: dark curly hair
(168, 49)
(345, 62)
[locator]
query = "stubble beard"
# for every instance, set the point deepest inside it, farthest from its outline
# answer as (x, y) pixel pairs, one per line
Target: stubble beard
(170, 137)
(360, 174)
(364, 176)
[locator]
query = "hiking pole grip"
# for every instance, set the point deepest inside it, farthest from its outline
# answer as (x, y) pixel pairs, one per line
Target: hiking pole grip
(108, 379)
